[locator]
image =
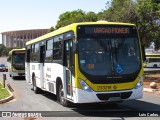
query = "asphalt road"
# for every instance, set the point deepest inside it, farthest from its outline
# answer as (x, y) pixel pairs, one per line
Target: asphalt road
(26, 100)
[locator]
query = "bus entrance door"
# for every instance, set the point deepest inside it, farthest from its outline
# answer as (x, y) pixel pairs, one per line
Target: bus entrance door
(42, 50)
(68, 69)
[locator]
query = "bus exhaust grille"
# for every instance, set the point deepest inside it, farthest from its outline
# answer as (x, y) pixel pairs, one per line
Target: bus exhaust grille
(51, 87)
(123, 95)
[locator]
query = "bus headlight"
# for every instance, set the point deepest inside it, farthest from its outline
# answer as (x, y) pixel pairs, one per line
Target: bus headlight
(140, 83)
(84, 85)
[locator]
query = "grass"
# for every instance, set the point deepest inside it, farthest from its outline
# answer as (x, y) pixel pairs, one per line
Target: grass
(3, 92)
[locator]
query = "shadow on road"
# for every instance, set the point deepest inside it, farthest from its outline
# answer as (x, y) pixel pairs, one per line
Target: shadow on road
(19, 78)
(138, 105)
(130, 108)
(49, 95)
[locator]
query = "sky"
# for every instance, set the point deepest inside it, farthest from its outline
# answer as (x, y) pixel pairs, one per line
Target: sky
(40, 14)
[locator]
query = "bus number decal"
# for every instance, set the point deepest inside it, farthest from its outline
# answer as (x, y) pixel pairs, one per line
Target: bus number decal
(104, 88)
(49, 69)
(48, 75)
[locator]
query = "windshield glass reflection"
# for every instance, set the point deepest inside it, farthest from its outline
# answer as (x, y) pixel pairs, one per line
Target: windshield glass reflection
(100, 56)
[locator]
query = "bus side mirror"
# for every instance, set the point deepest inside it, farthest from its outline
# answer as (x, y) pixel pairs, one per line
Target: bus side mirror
(75, 46)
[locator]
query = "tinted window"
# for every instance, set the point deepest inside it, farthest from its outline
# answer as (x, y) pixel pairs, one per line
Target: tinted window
(35, 53)
(121, 54)
(49, 51)
(57, 50)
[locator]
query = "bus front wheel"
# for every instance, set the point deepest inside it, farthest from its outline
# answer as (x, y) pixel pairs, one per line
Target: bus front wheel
(61, 98)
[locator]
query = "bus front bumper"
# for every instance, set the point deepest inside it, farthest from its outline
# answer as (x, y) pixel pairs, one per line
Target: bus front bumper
(15, 74)
(82, 96)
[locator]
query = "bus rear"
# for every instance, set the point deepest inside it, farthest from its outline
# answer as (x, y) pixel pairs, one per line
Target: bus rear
(108, 63)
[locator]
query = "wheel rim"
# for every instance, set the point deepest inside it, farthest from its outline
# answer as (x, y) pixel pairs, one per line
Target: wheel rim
(61, 95)
(155, 65)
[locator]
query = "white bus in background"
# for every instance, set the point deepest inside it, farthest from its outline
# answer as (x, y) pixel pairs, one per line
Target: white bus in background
(152, 60)
(16, 63)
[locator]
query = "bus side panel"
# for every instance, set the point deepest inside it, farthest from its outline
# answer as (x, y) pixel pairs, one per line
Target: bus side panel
(27, 72)
(33, 70)
(52, 71)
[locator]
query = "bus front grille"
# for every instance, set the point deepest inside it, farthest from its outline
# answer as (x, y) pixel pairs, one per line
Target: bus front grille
(106, 96)
(21, 74)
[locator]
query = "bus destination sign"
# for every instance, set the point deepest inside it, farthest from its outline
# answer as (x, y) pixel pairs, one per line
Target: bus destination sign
(19, 52)
(107, 30)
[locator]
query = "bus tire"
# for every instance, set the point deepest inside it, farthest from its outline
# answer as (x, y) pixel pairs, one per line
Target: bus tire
(60, 96)
(155, 66)
(13, 77)
(35, 88)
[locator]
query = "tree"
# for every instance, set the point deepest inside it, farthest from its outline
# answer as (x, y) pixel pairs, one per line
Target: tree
(90, 17)
(144, 13)
(2, 50)
(119, 11)
(74, 17)
(146, 17)
(51, 30)
(70, 17)
(157, 1)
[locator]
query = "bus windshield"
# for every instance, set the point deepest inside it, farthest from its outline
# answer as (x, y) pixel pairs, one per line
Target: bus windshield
(102, 55)
(18, 60)
(107, 56)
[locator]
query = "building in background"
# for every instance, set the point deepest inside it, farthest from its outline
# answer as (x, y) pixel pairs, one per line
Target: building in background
(19, 38)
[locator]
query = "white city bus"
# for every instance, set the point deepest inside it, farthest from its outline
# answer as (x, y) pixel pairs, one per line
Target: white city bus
(87, 62)
(152, 60)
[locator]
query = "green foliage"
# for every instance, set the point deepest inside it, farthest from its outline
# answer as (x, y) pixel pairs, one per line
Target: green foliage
(3, 92)
(51, 29)
(90, 17)
(143, 13)
(119, 11)
(146, 17)
(70, 17)
(74, 17)
(4, 50)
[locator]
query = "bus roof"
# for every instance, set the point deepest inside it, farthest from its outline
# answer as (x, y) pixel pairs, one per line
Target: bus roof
(73, 27)
(153, 54)
(16, 50)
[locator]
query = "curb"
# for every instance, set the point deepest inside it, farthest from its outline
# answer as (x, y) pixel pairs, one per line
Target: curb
(8, 98)
(151, 90)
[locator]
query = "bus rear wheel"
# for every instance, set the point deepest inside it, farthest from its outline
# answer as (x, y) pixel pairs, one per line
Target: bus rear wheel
(35, 88)
(61, 98)
(155, 65)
